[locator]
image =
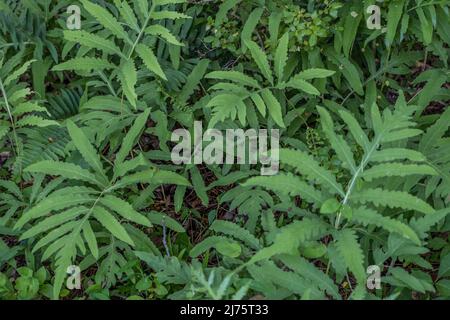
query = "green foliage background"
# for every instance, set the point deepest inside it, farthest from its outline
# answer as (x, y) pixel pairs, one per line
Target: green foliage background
(85, 126)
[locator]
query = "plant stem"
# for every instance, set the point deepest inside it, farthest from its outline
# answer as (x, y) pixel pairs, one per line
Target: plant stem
(152, 8)
(11, 118)
(356, 175)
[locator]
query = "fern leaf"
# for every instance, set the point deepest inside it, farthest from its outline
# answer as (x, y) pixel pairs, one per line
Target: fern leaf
(407, 279)
(90, 238)
(85, 64)
(127, 13)
(235, 76)
(28, 107)
(395, 12)
(207, 244)
(128, 77)
(309, 271)
(259, 103)
(131, 137)
(16, 74)
(85, 147)
(355, 129)
(281, 56)
(106, 19)
(338, 143)
(152, 176)
(348, 246)
(122, 168)
(287, 184)
(301, 85)
(92, 41)
(261, 59)
(18, 95)
(107, 103)
(36, 121)
(12, 188)
(397, 169)
(124, 209)
(287, 280)
(168, 177)
(55, 234)
(64, 169)
(164, 220)
(52, 203)
(307, 166)
(435, 132)
(314, 73)
(54, 221)
(3, 131)
(111, 224)
(391, 154)
(273, 106)
(400, 135)
(193, 81)
(63, 260)
(150, 60)
(424, 224)
(158, 30)
(368, 216)
(166, 2)
(249, 26)
(289, 238)
(235, 231)
(165, 14)
(392, 199)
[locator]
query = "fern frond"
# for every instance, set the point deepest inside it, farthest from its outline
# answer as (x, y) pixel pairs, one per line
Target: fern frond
(235, 76)
(85, 64)
(208, 243)
(64, 169)
(235, 231)
(349, 248)
(150, 60)
(338, 143)
(124, 209)
(392, 154)
(128, 77)
(309, 271)
(261, 59)
(308, 166)
(86, 149)
(158, 30)
(287, 184)
(367, 216)
(92, 41)
(289, 238)
(397, 169)
(392, 199)
(424, 224)
(106, 19)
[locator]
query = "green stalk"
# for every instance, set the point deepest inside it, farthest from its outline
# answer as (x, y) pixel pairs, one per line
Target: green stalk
(11, 118)
(152, 8)
(358, 172)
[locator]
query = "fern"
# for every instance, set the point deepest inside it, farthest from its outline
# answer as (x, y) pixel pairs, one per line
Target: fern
(86, 176)
(289, 238)
(320, 178)
(79, 205)
(350, 250)
(19, 112)
(133, 44)
(235, 231)
(367, 216)
(245, 93)
(394, 199)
